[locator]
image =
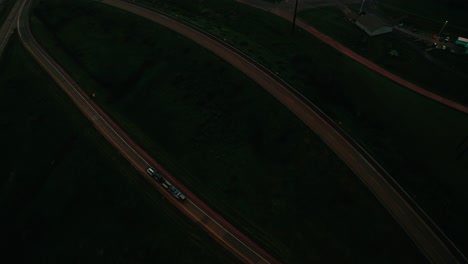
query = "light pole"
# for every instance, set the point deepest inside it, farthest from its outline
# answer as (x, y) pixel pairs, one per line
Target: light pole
(294, 18)
(362, 5)
(440, 32)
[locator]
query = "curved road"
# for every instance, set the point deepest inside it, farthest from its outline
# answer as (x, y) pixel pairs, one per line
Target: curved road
(9, 25)
(428, 240)
(426, 235)
(233, 240)
(369, 64)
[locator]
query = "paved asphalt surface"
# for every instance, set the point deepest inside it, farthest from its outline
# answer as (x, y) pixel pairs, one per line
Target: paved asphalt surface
(9, 25)
(241, 246)
(287, 14)
(426, 235)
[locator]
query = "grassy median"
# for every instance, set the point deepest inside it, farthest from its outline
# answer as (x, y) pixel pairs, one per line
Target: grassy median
(226, 138)
(66, 195)
(421, 143)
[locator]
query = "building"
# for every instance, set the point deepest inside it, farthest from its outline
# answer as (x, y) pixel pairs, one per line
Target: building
(373, 25)
(463, 42)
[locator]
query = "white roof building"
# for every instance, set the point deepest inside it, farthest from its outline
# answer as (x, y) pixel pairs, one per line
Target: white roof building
(462, 39)
(373, 25)
(463, 42)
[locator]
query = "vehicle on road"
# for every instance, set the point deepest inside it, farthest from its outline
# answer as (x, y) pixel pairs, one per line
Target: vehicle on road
(166, 184)
(151, 171)
(155, 174)
(173, 190)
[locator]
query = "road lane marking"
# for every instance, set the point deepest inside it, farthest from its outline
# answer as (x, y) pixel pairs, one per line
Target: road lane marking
(10, 30)
(229, 232)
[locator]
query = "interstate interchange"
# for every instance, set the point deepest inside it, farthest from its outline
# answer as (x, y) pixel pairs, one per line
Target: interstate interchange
(425, 234)
(219, 228)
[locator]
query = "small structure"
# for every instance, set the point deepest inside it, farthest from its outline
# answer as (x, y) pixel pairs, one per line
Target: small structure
(373, 25)
(393, 53)
(463, 42)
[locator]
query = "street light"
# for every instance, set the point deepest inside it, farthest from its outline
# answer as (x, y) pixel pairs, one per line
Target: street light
(440, 32)
(362, 5)
(294, 18)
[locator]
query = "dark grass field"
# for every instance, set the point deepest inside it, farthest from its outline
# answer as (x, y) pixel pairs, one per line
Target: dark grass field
(411, 63)
(454, 61)
(67, 196)
(422, 144)
(223, 136)
(5, 7)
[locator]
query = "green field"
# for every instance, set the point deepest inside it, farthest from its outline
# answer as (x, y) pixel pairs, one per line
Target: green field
(223, 136)
(411, 64)
(422, 144)
(5, 8)
(454, 61)
(67, 196)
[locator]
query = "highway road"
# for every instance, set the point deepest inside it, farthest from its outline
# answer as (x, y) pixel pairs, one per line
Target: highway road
(426, 235)
(381, 70)
(232, 239)
(9, 25)
(353, 55)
